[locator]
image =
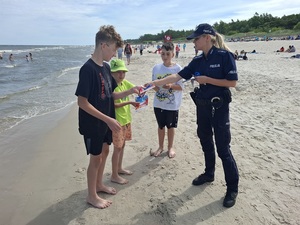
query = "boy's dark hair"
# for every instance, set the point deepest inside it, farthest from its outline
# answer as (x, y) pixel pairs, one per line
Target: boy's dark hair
(168, 46)
(107, 34)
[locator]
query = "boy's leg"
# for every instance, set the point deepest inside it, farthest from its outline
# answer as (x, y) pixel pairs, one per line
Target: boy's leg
(116, 157)
(127, 135)
(121, 169)
(100, 186)
(172, 120)
(159, 114)
(92, 173)
(171, 134)
(161, 138)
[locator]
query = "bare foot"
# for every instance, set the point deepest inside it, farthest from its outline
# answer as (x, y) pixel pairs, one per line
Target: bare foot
(119, 180)
(106, 189)
(125, 172)
(157, 152)
(171, 153)
(98, 202)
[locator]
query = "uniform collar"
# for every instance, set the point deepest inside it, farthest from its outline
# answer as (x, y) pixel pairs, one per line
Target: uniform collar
(210, 52)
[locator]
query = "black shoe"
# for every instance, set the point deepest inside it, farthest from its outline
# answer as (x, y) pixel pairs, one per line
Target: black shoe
(230, 199)
(202, 179)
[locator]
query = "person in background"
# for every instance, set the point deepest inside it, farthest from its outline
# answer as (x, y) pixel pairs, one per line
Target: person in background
(281, 49)
(177, 50)
(158, 48)
(167, 99)
(292, 49)
(184, 46)
(245, 57)
(128, 52)
(141, 49)
(11, 57)
(120, 53)
(215, 71)
(236, 54)
(95, 98)
(123, 116)
(30, 56)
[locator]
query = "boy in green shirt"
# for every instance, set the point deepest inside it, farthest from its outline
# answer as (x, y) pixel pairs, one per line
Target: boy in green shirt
(123, 116)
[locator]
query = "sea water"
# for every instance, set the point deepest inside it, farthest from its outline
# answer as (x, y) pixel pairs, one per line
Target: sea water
(47, 83)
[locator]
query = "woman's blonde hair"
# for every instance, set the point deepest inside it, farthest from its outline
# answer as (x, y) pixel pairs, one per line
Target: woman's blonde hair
(218, 41)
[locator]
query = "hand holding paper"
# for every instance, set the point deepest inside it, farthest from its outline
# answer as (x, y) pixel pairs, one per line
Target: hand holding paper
(146, 88)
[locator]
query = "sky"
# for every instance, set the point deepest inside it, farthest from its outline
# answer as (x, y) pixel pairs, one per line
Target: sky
(75, 22)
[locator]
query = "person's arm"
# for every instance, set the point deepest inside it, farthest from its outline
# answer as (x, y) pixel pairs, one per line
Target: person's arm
(174, 86)
(167, 80)
(118, 95)
(217, 82)
(84, 104)
(119, 105)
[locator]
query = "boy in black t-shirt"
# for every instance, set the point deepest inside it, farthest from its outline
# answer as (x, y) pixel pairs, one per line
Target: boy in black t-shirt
(97, 112)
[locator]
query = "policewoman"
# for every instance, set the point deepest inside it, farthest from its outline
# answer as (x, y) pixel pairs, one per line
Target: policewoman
(215, 71)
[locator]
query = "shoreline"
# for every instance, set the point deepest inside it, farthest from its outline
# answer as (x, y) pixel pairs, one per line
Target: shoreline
(43, 167)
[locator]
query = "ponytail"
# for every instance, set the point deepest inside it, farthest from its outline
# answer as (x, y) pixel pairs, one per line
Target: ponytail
(218, 41)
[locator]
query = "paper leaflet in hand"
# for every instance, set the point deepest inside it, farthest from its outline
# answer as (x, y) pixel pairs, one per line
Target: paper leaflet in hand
(142, 100)
(193, 78)
(147, 88)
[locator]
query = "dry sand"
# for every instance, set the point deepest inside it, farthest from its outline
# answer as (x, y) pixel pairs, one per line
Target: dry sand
(43, 161)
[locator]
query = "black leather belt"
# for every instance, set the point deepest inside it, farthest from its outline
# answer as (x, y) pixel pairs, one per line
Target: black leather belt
(215, 101)
(203, 101)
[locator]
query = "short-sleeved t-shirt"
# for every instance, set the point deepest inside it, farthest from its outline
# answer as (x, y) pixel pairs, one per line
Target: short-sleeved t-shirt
(219, 64)
(165, 98)
(123, 114)
(97, 85)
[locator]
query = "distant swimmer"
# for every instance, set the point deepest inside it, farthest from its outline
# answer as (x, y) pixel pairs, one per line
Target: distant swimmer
(27, 58)
(11, 57)
(30, 56)
(1, 57)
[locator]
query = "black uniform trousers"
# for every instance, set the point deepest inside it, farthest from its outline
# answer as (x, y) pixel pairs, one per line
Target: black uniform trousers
(217, 123)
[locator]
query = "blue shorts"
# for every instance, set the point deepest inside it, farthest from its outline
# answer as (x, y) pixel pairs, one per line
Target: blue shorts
(94, 145)
(168, 118)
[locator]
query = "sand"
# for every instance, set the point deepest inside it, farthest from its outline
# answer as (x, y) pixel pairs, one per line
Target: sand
(43, 161)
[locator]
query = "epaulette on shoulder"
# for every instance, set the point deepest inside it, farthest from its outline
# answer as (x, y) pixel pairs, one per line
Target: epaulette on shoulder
(221, 51)
(199, 56)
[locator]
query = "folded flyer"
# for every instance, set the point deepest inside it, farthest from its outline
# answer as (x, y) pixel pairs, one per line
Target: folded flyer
(142, 100)
(147, 88)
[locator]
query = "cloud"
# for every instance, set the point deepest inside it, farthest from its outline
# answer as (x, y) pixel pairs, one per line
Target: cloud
(76, 22)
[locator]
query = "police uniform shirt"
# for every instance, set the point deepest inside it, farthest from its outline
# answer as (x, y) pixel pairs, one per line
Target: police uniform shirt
(219, 64)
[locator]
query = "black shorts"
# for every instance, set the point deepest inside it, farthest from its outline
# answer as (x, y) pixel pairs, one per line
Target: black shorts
(94, 145)
(168, 118)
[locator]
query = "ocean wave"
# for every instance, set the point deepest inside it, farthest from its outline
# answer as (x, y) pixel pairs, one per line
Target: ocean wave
(7, 96)
(3, 97)
(12, 121)
(9, 66)
(9, 122)
(50, 48)
(66, 70)
(33, 49)
(34, 88)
